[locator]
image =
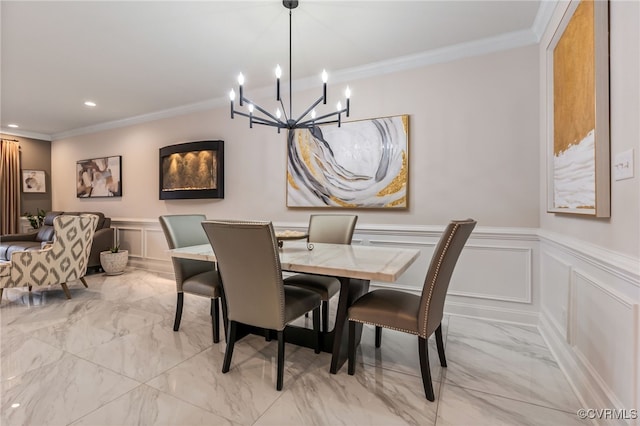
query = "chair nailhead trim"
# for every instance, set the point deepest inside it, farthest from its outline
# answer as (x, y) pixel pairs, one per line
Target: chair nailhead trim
(385, 326)
(435, 277)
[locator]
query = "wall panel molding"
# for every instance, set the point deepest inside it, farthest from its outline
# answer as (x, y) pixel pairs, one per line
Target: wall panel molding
(599, 290)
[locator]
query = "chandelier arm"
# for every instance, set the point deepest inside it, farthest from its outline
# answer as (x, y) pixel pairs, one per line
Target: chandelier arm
(261, 120)
(269, 123)
(265, 112)
(284, 111)
(312, 123)
(309, 109)
(331, 114)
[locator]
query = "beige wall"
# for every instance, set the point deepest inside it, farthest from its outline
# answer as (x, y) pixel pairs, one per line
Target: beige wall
(473, 149)
(621, 232)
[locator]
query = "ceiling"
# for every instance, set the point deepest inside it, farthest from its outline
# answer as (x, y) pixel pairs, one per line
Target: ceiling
(136, 59)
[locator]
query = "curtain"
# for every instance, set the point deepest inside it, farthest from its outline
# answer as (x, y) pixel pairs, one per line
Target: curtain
(9, 187)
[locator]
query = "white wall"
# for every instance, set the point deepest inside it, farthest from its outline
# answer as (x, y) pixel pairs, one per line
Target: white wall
(473, 149)
(590, 268)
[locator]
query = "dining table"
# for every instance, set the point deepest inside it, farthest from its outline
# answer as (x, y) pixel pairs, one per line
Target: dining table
(353, 265)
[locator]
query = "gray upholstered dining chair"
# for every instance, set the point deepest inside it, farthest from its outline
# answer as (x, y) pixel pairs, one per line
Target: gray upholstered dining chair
(325, 228)
(192, 276)
(249, 264)
(410, 313)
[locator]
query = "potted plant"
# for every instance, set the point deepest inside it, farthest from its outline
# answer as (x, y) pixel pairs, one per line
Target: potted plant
(36, 220)
(114, 260)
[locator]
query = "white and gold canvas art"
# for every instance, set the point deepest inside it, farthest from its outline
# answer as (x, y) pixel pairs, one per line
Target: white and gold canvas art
(361, 164)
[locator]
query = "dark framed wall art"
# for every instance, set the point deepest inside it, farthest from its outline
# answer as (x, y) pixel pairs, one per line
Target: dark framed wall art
(192, 170)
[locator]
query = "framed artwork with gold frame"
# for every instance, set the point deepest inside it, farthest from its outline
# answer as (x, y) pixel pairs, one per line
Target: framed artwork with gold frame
(360, 164)
(578, 158)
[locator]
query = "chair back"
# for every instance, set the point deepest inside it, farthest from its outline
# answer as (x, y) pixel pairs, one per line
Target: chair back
(64, 260)
(332, 228)
(249, 265)
(441, 268)
(183, 230)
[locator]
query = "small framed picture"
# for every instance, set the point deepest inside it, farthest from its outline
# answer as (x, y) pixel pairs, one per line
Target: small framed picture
(33, 181)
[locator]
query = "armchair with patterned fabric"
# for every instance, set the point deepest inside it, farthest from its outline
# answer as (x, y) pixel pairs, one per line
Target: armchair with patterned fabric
(62, 261)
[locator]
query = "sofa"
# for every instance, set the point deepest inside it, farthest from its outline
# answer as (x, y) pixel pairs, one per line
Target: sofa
(103, 238)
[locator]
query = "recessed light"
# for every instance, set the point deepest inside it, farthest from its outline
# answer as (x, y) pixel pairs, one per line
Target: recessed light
(90, 104)
(13, 126)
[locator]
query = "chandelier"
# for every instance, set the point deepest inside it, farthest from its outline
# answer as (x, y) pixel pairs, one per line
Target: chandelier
(281, 119)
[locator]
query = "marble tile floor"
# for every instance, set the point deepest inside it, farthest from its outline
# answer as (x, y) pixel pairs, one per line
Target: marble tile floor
(109, 356)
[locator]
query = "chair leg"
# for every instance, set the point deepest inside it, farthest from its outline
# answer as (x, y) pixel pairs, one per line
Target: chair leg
(316, 328)
(84, 282)
(325, 316)
(66, 290)
(215, 316)
(351, 351)
(176, 322)
(440, 345)
(1, 289)
(378, 336)
(280, 359)
(231, 340)
(423, 351)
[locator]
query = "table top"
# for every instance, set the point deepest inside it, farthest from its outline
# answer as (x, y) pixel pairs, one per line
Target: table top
(341, 260)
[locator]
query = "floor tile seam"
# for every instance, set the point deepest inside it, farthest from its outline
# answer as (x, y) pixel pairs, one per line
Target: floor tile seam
(511, 398)
(146, 382)
(105, 404)
(404, 373)
(288, 385)
(186, 401)
(394, 370)
(64, 354)
(107, 368)
(99, 366)
(438, 396)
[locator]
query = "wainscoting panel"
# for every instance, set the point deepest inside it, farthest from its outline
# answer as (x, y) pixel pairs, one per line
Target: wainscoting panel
(131, 238)
(492, 272)
(598, 347)
(554, 287)
(156, 245)
(493, 278)
(604, 333)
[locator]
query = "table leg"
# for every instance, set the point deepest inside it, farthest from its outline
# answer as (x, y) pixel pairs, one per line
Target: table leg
(350, 290)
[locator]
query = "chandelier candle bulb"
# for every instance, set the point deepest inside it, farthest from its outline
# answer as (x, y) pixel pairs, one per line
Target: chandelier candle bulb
(325, 77)
(250, 116)
(232, 96)
(278, 75)
(240, 83)
(347, 94)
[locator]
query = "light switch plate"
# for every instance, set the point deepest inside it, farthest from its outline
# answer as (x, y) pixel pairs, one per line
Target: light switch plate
(623, 165)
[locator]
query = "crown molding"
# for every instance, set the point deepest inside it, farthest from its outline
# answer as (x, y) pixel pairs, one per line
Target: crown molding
(446, 54)
(543, 17)
(25, 134)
